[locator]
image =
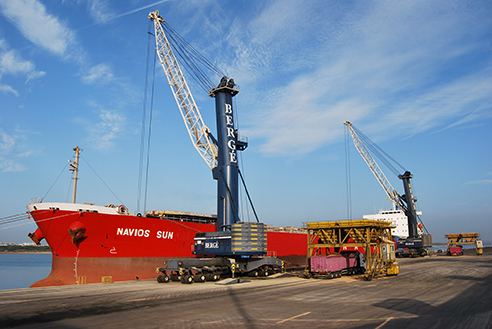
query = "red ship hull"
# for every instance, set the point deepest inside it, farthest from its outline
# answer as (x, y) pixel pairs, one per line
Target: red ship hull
(93, 243)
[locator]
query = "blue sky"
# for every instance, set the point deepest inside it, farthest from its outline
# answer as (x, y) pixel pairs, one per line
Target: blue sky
(414, 76)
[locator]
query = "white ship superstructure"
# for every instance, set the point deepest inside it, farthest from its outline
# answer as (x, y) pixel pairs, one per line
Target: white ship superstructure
(397, 218)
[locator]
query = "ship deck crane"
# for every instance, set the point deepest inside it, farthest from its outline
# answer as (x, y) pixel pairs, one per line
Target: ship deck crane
(413, 245)
(232, 243)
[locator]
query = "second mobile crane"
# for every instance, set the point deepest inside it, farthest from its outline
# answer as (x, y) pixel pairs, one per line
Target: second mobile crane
(235, 246)
(413, 245)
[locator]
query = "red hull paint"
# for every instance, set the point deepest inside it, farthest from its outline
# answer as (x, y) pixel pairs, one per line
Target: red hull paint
(126, 247)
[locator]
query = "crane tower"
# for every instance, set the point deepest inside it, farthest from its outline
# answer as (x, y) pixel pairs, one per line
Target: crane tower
(413, 244)
(235, 246)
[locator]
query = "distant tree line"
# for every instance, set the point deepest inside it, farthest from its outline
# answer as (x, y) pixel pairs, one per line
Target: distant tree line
(17, 248)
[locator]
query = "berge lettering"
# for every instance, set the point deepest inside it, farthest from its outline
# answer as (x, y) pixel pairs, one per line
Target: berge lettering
(211, 245)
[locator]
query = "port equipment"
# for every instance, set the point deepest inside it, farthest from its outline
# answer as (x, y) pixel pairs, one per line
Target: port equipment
(457, 240)
(235, 241)
(372, 238)
(414, 245)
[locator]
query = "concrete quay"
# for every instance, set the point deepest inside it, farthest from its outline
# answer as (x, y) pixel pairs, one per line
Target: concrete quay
(430, 292)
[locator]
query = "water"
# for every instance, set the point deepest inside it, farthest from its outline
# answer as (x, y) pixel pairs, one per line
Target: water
(22, 270)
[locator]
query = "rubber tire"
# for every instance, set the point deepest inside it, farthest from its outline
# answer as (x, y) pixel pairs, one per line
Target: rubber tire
(200, 277)
(163, 278)
(187, 279)
(212, 277)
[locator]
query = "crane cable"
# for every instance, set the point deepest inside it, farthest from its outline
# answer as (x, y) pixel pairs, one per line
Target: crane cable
(150, 132)
(191, 58)
(348, 181)
(144, 115)
(387, 159)
(143, 147)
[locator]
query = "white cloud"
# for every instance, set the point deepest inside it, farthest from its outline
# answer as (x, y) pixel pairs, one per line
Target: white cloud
(480, 182)
(35, 75)
(99, 10)
(110, 127)
(8, 89)
(7, 142)
(12, 63)
(140, 8)
(389, 63)
(8, 165)
(8, 153)
(461, 101)
(100, 73)
(38, 26)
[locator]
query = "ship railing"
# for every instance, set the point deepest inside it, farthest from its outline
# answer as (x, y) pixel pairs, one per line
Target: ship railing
(191, 219)
(287, 229)
(36, 200)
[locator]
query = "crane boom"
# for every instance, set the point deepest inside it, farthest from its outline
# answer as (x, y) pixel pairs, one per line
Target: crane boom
(413, 244)
(198, 131)
(372, 164)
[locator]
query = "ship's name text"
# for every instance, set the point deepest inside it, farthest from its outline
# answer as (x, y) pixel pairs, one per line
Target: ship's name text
(143, 233)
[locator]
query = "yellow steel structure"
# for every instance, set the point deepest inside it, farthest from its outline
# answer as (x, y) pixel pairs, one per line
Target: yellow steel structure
(371, 237)
(465, 238)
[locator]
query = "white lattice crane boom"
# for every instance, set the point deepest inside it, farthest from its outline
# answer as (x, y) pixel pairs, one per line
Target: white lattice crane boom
(198, 131)
(372, 164)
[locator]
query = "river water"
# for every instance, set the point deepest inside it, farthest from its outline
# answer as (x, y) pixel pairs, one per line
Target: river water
(20, 270)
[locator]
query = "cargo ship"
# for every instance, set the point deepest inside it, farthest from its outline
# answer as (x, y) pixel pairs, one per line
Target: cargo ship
(91, 243)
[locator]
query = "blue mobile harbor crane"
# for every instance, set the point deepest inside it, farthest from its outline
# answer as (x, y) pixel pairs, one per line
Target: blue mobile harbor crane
(235, 246)
(414, 245)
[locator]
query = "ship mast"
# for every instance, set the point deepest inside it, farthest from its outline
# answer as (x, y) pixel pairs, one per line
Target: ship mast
(75, 168)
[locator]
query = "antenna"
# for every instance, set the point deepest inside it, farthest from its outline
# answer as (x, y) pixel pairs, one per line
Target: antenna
(75, 168)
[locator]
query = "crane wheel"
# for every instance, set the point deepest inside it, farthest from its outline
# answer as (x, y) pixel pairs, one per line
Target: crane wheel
(187, 279)
(163, 278)
(212, 277)
(253, 273)
(175, 277)
(199, 277)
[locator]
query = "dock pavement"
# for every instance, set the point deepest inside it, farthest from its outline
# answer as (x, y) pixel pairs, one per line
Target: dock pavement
(431, 292)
